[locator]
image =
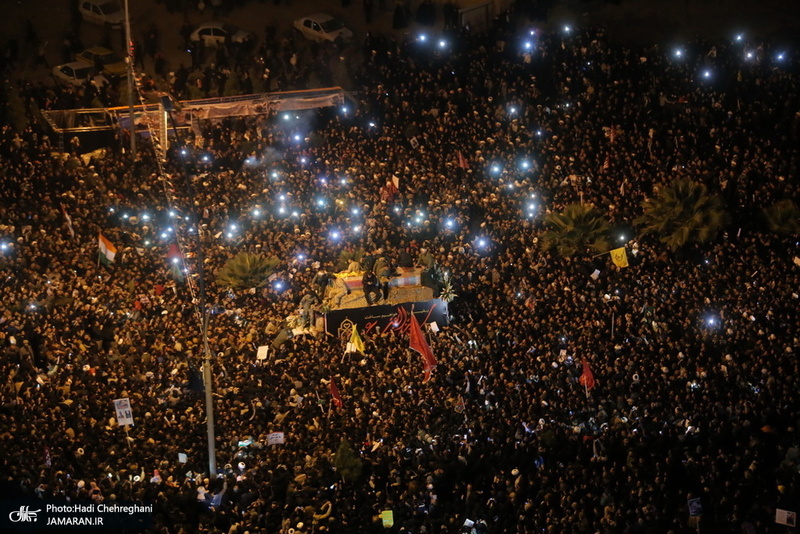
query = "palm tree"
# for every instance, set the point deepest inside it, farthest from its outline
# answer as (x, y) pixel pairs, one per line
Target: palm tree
(348, 464)
(246, 271)
(681, 213)
(783, 217)
(578, 228)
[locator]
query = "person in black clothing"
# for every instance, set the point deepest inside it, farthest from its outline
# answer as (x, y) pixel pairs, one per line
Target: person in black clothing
(372, 291)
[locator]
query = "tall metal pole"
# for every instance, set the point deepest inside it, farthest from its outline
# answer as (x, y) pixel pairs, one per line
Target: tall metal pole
(201, 286)
(207, 380)
(129, 61)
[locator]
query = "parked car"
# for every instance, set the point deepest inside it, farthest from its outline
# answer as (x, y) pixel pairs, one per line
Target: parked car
(321, 27)
(215, 34)
(76, 73)
(104, 59)
(102, 12)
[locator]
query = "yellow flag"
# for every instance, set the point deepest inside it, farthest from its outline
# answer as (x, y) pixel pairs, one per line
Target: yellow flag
(355, 344)
(619, 257)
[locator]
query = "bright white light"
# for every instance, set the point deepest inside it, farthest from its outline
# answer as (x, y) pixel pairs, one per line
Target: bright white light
(145, 217)
(372, 124)
(256, 213)
(539, 133)
(124, 215)
(111, 210)
(295, 214)
(4, 246)
(780, 56)
(449, 223)
(423, 37)
(320, 202)
(147, 243)
(567, 28)
(397, 209)
(184, 152)
(286, 116)
(482, 243)
(172, 214)
(323, 180)
(335, 235)
(163, 235)
(233, 228)
(354, 211)
(357, 228)
(528, 45)
(678, 52)
(206, 158)
(531, 207)
(707, 74)
(513, 110)
(278, 285)
(175, 260)
(749, 55)
(533, 195)
(442, 43)
(525, 164)
(304, 160)
(281, 210)
(274, 174)
(495, 169)
(281, 197)
(739, 38)
(343, 181)
(230, 235)
(301, 257)
(622, 237)
(344, 109)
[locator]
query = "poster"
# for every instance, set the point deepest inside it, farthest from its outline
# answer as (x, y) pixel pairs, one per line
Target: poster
(124, 414)
(785, 517)
(387, 516)
(276, 438)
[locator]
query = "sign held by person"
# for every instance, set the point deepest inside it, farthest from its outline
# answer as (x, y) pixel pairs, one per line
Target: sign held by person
(124, 413)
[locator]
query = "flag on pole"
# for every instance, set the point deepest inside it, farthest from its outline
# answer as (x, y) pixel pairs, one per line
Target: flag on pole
(355, 344)
(460, 405)
(587, 377)
(619, 257)
(107, 250)
(69, 221)
(417, 342)
(337, 398)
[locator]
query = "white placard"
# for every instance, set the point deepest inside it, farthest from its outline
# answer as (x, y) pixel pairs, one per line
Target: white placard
(263, 352)
(124, 413)
(785, 517)
(182, 458)
(276, 438)
(434, 326)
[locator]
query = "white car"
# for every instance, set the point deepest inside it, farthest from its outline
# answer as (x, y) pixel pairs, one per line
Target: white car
(215, 34)
(76, 73)
(321, 27)
(102, 12)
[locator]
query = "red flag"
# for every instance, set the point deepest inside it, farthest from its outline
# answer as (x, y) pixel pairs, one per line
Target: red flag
(462, 161)
(174, 253)
(416, 341)
(337, 399)
(587, 377)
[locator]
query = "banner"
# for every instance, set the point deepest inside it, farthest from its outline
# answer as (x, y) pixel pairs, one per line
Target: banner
(785, 517)
(276, 438)
(378, 319)
(124, 413)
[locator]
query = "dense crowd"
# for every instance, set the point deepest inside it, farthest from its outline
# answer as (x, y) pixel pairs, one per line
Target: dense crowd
(694, 354)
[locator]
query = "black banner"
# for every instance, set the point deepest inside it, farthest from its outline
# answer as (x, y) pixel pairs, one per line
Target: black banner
(377, 319)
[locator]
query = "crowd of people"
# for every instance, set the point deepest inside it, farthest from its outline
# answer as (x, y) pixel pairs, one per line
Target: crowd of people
(454, 151)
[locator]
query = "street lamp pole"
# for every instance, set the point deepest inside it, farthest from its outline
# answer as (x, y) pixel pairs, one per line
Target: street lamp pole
(129, 61)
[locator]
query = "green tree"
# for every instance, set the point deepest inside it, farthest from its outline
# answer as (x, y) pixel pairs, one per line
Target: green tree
(246, 271)
(783, 217)
(577, 229)
(348, 465)
(681, 213)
